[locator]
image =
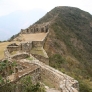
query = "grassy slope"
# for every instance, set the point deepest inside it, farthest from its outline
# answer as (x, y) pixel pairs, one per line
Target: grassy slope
(69, 44)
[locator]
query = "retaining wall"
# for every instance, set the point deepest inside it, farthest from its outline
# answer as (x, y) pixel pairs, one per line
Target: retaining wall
(42, 58)
(13, 48)
(56, 78)
(26, 46)
(34, 73)
(20, 56)
(36, 28)
(37, 43)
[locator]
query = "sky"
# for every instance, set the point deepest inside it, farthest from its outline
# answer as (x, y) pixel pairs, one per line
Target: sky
(8, 6)
(43, 6)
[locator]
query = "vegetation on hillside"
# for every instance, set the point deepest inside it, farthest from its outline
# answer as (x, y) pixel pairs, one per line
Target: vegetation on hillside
(23, 85)
(69, 44)
(13, 37)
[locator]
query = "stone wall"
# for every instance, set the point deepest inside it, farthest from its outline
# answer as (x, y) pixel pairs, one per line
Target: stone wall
(40, 43)
(56, 78)
(44, 40)
(34, 73)
(26, 46)
(20, 56)
(45, 73)
(49, 75)
(36, 28)
(13, 47)
(42, 58)
(37, 43)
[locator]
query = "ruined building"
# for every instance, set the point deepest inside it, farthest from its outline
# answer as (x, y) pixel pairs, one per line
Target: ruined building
(33, 60)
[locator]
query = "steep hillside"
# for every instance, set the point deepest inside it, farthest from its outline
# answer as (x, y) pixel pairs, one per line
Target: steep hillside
(69, 44)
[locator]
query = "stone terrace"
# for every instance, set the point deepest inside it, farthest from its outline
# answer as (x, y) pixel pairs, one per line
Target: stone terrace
(34, 37)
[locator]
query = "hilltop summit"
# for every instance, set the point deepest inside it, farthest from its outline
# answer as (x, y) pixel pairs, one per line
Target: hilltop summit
(69, 44)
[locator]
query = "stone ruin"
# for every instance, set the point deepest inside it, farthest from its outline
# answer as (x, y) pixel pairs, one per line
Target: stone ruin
(23, 50)
(20, 69)
(40, 71)
(36, 28)
(13, 47)
(26, 46)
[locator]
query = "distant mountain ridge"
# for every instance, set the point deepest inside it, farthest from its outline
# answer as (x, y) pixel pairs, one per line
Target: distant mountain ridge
(12, 23)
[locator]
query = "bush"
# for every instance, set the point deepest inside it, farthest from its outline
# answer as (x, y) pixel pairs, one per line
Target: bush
(56, 60)
(84, 87)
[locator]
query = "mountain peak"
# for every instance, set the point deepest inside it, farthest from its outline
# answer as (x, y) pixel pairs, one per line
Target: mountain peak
(69, 43)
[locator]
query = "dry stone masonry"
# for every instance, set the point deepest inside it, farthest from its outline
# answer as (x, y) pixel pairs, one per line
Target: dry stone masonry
(36, 28)
(56, 78)
(31, 62)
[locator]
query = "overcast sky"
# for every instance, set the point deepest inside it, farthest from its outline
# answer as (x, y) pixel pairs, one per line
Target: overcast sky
(8, 6)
